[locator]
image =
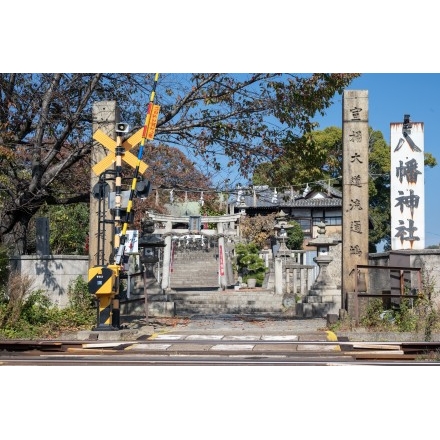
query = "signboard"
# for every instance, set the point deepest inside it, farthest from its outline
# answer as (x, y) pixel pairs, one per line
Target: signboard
(194, 223)
(153, 122)
(407, 185)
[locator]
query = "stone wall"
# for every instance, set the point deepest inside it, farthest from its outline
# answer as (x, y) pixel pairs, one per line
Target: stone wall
(52, 273)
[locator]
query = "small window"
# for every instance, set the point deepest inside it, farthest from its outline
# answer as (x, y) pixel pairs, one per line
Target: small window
(329, 221)
(306, 225)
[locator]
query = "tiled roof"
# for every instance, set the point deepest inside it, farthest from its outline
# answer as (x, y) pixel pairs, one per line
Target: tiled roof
(270, 198)
(317, 202)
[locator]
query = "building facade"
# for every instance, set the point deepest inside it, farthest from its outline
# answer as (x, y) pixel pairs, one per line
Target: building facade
(322, 203)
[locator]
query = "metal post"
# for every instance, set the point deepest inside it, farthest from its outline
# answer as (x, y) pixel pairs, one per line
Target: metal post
(145, 294)
(167, 257)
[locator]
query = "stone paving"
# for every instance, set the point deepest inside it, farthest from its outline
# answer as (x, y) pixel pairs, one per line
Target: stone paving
(227, 325)
(136, 327)
(312, 328)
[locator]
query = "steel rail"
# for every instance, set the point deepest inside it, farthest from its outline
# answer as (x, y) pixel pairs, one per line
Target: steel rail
(202, 361)
(201, 350)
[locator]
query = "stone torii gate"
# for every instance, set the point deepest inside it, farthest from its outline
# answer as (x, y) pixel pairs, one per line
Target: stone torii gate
(226, 227)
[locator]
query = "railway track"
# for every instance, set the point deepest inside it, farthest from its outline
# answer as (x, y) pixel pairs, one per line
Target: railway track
(208, 350)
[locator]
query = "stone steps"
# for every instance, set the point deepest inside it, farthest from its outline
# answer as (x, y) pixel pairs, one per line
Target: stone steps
(194, 269)
(204, 303)
(226, 302)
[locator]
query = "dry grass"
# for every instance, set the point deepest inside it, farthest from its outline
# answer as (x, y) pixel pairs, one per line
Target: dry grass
(18, 288)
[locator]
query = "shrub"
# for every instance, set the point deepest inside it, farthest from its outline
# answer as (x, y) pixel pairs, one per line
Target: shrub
(79, 296)
(375, 316)
(14, 298)
(36, 308)
(249, 264)
(419, 315)
(81, 310)
(405, 316)
(30, 314)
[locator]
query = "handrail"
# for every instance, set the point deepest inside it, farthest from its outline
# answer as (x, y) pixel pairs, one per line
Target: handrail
(384, 295)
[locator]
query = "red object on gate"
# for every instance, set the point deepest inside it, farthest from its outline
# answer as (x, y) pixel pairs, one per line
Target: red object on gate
(222, 269)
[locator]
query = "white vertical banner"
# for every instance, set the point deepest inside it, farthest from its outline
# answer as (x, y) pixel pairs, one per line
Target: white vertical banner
(131, 243)
(407, 185)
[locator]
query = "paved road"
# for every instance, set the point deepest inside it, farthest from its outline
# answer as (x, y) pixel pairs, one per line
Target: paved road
(242, 324)
(226, 324)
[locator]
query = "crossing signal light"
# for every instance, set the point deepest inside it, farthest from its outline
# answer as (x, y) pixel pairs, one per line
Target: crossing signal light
(143, 189)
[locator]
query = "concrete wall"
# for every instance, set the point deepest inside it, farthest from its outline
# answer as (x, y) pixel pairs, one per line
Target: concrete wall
(52, 273)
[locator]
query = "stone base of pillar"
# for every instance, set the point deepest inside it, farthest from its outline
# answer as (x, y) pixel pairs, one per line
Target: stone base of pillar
(320, 303)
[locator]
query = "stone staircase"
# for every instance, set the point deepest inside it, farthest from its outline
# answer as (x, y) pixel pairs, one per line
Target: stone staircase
(195, 269)
(194, 291)
(207, 303)
(226, 302)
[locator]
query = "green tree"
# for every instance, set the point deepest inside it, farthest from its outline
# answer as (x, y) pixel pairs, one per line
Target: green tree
(68, 227)
(315, 156)
(46, 126)
(379, 182)
(295, 236)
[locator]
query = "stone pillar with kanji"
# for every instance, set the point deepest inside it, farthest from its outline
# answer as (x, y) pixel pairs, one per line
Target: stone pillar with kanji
(355, 144)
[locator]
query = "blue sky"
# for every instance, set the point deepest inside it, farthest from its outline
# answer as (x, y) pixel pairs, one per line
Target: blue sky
(390, 96)
(315, 37)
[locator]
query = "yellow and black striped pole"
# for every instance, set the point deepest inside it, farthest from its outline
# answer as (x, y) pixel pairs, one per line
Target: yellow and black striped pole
(148, 133)
(103, 282)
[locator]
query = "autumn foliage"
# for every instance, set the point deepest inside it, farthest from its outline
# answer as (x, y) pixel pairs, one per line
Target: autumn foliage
(258, 229)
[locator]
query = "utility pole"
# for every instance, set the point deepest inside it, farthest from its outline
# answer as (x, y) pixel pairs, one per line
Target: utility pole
(101, 235)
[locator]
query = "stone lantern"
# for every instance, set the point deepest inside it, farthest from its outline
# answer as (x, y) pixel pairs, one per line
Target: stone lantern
(149, 247)
(323, 259)
(324, 297)
(149, 243)
(281, 227)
